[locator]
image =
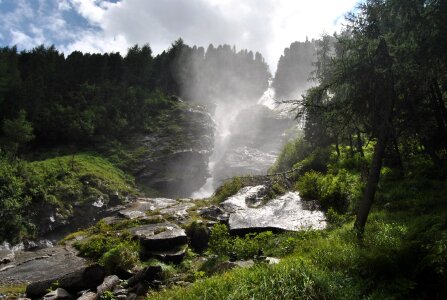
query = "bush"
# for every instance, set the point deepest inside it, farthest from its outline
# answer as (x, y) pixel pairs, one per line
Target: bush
(252, 244)
(121, 257)
(293, 152)
(228, 189)
(340, 191)
(220, 240)
(309, 185)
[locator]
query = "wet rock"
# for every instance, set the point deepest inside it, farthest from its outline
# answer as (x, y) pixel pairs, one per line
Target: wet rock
(42, 264)
(148, 274)
(58, 294)
(131, 296)
(179, 211)
(249, 196)
(177, 164)
(88, 296)
(81, 279)
(132, 214)
(285, 213)
(173, 255)
(212, 212)
(109, 283)
(6, 256)
(198, 234)
(162, 236)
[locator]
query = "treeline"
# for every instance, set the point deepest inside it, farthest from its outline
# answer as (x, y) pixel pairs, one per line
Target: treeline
(383, 81)
(84, 98)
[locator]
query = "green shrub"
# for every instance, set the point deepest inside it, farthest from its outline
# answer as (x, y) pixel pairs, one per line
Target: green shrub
(309, 185)
(220, 240)
(121, 257)
(228, 189)
(223, 244)
(294, 151)
(340, 191)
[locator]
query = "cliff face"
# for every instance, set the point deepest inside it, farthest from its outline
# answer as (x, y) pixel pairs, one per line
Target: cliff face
(178, 150)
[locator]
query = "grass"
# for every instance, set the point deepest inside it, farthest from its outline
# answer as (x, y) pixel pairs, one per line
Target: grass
(12, 291)
(331, 265)
(403, 253)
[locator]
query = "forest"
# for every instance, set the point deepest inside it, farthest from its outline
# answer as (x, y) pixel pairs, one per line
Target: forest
(372, 155)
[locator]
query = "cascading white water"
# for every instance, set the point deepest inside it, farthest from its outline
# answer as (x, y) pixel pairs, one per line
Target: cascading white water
(244, 156)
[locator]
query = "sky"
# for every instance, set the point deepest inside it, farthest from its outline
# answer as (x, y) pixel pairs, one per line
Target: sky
(267, 26)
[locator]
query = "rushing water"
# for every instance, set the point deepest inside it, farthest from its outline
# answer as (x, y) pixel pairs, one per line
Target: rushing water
(248, 139)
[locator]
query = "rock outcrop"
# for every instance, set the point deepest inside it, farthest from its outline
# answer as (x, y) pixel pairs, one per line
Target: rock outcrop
(165, 241)
(178, 151)
(81, 279)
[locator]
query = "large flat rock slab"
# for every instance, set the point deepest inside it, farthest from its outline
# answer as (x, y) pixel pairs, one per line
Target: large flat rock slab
(285, 213)
(48, 263)
(162, 236)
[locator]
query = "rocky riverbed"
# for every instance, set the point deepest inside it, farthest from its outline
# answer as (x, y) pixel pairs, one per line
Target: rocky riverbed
(159, 226)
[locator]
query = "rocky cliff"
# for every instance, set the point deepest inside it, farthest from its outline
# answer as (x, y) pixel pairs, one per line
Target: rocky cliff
(178, 147)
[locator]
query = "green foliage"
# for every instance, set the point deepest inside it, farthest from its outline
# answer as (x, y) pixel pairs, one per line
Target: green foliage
(229, 188)
(220, 240)
(340, 191)
(309, 185)
(249, 246)
(14, 203)
(293, 152)
(16, 132)
(123, 256)
(114, 249)
(107, 295)
(333, 265)
(29, 189)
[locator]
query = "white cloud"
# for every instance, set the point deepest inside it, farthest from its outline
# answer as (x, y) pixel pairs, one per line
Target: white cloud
(21, 38)
(267, 26)
(63, 5)
(89, 10)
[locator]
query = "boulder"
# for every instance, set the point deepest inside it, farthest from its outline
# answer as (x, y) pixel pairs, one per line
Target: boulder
(6, 256)
(43, 264)
(88, 296)
(58, 294)
(171, 256)
(212, 212)
(109, 283)
(198, 234)
(81, 279)
(162, 236)
(148, 274)
(142, 205)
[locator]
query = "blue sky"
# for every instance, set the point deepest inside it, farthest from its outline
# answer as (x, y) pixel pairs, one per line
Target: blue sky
(267, 26)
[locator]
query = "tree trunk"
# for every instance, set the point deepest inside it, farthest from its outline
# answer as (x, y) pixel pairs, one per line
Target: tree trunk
(351, 148)
(371, 185)
(400, 164)
(337, 148)
(360, 144)
(384, 99)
